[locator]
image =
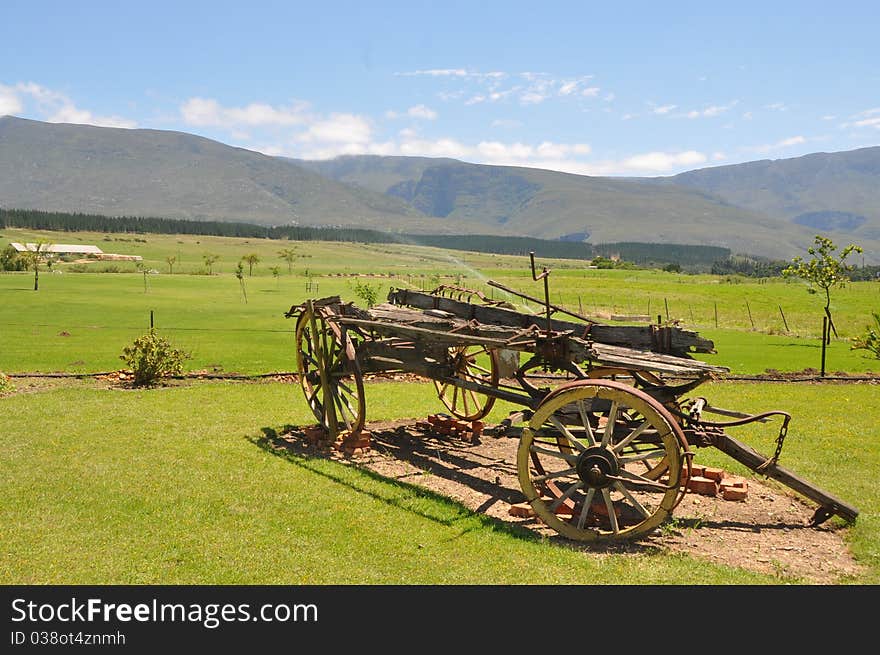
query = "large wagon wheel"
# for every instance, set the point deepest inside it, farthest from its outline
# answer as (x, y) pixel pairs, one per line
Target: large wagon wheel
(596, 488)
(329, 372)
(470, 364)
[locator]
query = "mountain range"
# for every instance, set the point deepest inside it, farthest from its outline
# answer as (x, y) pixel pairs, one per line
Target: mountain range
(770, 208)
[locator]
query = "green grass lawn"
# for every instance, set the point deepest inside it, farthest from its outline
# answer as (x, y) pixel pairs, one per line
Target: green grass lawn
(170, 486)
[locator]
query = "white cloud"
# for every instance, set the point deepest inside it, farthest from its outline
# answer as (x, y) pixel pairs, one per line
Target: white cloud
(532, 98)
(506, 123)
(718, 156)
(421, 111)
(662, 161)
(710, 111)
(867, 122)
(347, 129)
(778, 145)
(437, 72)
(71, 114)
(664, 109)
(206, 112)
(593, 91)
(417, 111)
(55, 107)
(567, 88)
(866, 118)
(10, 103)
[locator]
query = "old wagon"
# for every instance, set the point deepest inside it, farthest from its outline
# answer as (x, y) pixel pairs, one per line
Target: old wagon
(605, 415)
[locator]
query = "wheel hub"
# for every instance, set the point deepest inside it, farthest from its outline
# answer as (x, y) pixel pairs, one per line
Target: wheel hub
(595, 464)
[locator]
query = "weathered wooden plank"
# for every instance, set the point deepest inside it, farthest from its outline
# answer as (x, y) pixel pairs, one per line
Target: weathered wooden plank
(676, 340)
(608, 353)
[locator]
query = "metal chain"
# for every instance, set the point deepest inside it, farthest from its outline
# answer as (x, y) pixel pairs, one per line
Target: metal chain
(783, 431)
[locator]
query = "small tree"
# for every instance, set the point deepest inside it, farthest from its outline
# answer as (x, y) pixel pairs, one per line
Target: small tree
(11, 260)
(252, 260)
(369, 293)
(171, 260)
(276, 271)
(289, 255)
(870, 339)
(239, 273)
(150, 358)
(210, 260)
(34, 258)
(824, 272)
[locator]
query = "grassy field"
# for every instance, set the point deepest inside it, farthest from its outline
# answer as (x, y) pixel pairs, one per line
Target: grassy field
(170, 485)
(112, 486)
(80, 322)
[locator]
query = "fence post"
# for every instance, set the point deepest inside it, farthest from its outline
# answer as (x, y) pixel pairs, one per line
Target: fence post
(749, 310)
(784, 322)
(151, 319)
(716, 313)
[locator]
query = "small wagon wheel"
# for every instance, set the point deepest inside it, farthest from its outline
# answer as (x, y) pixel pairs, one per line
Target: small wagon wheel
(596, 489)
(329, 372)
(470, 363)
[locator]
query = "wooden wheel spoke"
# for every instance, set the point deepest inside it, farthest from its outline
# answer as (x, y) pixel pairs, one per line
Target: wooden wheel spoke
(612, 515)
(659, 453)
(609, 427)
(585, 510)
(642, 480)
(588, 430)
(635, 503)
(568, 435)
(630, 437)
(557, 474)
(571, 458)
(568, 494)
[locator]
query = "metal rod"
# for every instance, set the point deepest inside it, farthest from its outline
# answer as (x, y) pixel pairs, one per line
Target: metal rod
(555, 308)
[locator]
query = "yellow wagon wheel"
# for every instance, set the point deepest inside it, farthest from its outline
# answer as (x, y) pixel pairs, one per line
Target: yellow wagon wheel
(329, 372)
(596, 489)
(473, 364)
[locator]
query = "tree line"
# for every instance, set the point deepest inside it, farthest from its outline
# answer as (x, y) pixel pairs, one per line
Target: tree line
(645, 254)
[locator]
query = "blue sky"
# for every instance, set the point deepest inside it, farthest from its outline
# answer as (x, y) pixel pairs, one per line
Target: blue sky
(637, 88)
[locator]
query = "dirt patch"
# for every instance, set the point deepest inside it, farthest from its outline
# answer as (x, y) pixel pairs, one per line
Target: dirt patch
(768, 532)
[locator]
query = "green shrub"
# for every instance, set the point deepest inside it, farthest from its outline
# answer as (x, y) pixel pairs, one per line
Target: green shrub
(369, 293)
(150, 358)
(5, 384)
(870, 340)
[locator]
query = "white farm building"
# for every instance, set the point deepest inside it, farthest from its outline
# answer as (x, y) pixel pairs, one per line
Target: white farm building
(78, 249)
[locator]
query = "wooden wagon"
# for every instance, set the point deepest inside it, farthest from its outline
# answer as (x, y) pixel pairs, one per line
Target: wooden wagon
(605, 438)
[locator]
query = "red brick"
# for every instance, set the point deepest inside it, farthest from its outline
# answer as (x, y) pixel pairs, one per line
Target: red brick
(734, 493)
(521, 510)
(735, 483)
(703, 486)
(477, 427)
(713, 473)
